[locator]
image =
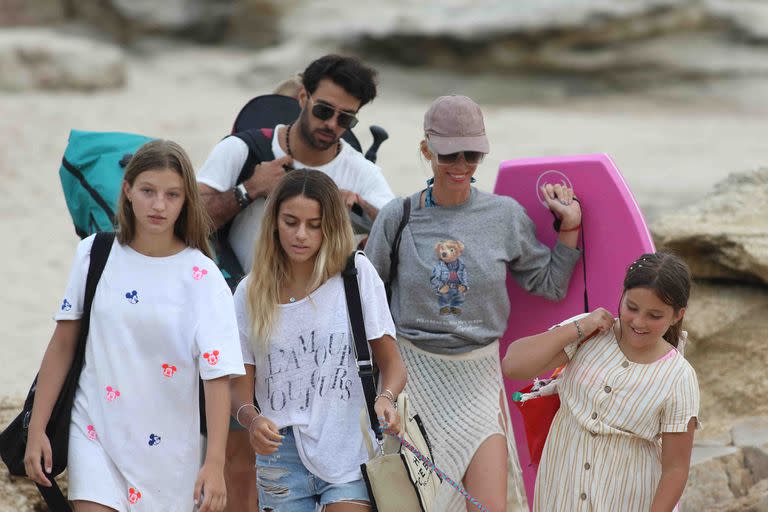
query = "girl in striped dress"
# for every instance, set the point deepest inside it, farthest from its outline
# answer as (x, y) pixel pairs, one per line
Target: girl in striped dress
(623, 435)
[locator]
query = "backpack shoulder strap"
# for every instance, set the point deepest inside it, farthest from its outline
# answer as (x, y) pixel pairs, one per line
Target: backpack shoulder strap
(259, 144)
(102, 245)
(394, 255)
(363, 359)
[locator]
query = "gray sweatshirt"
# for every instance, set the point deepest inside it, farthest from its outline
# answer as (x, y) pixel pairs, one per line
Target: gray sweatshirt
(450, 293)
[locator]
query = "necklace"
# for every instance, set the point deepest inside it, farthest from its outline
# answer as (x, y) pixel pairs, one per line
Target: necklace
(291, 299)
(429, 201)
(288, 143)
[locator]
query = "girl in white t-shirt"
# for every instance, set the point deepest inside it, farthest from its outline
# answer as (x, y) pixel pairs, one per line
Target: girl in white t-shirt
(162, 315)
(298, 349)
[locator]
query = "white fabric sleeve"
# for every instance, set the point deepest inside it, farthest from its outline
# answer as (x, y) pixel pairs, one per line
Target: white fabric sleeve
(244, 322)
(377, 191)
(376, 315)
(216, 335)
(682, 405)
(223, 165)
(71, 307)
(570, 349)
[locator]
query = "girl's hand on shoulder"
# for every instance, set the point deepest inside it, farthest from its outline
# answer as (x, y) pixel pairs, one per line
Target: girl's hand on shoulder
(264, 436)
(388, 415)
(38, 448)
(560, 199)
(599, 320)
(210, 489)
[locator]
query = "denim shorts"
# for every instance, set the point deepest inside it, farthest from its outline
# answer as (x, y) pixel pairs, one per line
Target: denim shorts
(285, 485)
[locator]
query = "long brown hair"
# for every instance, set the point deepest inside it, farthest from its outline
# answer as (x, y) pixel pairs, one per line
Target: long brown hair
(193, 226)
(669, 278)
(271, 267)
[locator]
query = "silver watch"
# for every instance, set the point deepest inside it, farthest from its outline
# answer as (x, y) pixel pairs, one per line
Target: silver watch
(241, 195)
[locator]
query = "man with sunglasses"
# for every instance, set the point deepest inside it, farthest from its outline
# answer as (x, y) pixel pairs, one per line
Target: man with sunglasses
(334, 88)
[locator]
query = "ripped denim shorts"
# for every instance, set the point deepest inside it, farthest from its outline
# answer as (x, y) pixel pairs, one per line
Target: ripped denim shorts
(285, 485)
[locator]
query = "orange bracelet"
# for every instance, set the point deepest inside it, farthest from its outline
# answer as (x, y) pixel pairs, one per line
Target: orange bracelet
(575, 228)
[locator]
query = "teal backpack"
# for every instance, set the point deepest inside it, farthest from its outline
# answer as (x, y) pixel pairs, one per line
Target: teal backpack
(91, 175)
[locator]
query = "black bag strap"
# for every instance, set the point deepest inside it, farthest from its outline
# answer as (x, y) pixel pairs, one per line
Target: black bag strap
(363, 358)
(102, 245)
(394, 254)
(556, 226)
(259, 142)
(53, 497)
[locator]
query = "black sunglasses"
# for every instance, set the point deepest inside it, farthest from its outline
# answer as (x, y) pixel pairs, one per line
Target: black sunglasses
(323, 111)
(471, 157)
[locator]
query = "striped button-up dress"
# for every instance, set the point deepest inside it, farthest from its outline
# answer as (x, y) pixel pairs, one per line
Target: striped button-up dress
(603, 452)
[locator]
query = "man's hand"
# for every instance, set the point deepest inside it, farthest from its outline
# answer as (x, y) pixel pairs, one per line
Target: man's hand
(266, 176)
(349, 198)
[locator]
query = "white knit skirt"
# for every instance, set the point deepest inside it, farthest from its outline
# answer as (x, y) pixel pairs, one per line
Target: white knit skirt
(461, 401)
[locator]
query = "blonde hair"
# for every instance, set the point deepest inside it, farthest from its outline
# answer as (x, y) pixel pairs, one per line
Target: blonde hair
(193, 226)
(271, 267)
(290, 86)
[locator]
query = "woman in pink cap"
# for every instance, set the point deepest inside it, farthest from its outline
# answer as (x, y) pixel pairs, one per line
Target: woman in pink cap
(449, 300)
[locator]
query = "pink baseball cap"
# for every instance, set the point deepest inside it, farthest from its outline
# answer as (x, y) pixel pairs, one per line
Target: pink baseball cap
(455, 123)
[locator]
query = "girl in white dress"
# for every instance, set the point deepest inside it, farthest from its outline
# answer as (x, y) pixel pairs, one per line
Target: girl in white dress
(162, 317)
(298, 351)
(623, 436)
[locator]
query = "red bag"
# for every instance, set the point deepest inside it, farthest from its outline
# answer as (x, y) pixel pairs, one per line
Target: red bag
(538, 414)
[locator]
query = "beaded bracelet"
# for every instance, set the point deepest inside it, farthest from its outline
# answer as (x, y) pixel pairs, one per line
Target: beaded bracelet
(387, 396)
(579, 332)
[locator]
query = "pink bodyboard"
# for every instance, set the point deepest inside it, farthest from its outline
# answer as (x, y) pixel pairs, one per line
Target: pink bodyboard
(614, 235)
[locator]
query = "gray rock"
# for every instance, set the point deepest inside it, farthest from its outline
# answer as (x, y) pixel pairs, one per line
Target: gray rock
(35, 58)
(254, 21)
(708, 484)
(750, 431)
(747, 17)
(755, 501)
(703, 454)
(715, 307)
(726, 235)
(705, 440)
(756, 460)
(30, 12)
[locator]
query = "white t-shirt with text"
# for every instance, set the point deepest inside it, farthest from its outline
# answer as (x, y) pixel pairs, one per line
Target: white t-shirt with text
(308, 379)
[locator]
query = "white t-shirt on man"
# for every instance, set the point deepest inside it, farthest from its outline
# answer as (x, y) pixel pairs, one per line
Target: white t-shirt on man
(308, 378)
(349, 170)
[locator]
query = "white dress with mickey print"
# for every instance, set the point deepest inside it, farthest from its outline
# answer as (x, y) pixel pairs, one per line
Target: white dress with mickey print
(156, 325)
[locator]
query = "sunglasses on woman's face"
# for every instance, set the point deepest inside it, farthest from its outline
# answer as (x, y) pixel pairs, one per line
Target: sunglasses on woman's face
(470, 157)
(324, 112)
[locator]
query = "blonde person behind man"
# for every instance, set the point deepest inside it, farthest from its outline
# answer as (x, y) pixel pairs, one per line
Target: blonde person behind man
(297, 345)
(449, 300)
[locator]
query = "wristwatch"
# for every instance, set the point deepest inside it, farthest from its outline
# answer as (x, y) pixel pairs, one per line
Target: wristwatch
(241, 196)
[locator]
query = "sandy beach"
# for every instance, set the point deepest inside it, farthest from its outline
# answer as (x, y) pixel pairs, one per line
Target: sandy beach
(671, 147)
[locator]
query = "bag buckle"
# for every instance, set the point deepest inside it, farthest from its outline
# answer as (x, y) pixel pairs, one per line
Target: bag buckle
(25, 423)
(365, 368)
